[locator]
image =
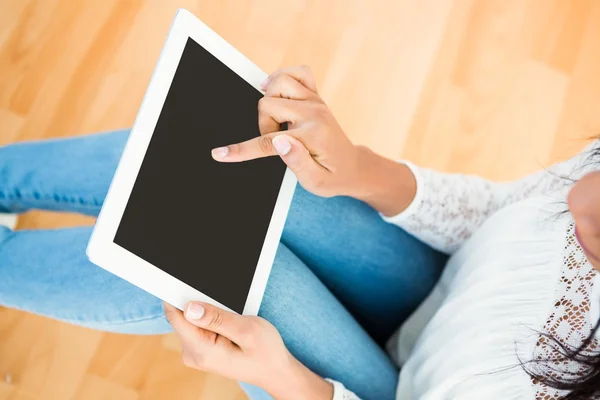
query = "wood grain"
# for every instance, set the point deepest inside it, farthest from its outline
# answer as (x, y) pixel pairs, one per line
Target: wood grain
(494, 87)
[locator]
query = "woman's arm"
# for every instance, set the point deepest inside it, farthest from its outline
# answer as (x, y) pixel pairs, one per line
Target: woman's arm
(443, 209)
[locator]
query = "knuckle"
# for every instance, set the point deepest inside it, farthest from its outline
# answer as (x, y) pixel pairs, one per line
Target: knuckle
(200, 361)
(188, 360)
(264, 327)
(234, 149)
(249, 333)
(276, 74)
(262, 104)
(306, 69)
(315, 99)
(168, 314)
(275, 77)
(266, 144)
(264, 124)
(319, 183)
(320, 110)
(216, 319)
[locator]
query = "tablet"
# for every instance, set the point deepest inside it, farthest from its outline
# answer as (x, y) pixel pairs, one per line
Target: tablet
(175, 222)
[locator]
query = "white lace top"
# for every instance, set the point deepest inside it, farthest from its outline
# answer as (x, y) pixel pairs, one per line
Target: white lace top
(515, 270)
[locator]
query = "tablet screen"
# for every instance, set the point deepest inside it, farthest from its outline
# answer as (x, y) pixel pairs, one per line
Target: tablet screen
(202, 221)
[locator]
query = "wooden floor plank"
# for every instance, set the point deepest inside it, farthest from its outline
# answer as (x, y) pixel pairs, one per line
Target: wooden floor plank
(494, 87)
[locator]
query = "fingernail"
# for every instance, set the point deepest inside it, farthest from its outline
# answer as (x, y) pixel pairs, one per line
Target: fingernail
(282, 145)
(195, 311)
(264, 84)
(220, 152)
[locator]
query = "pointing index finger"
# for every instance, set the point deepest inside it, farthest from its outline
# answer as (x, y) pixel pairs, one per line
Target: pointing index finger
(252, 149)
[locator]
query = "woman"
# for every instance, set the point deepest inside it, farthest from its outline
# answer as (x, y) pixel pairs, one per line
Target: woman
(514, 298)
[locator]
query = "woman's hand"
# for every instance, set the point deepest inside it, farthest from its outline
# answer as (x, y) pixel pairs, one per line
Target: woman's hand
(243, 348)
(316, 148)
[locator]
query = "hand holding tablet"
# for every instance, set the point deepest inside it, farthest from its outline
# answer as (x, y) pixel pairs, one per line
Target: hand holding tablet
(218, 246)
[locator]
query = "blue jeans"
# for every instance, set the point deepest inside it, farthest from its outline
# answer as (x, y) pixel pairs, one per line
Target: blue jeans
(342, 281)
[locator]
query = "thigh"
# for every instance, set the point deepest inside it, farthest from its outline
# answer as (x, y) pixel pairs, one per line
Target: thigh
(378, 271)
(47, 272)
(70, 174)
(321, 333)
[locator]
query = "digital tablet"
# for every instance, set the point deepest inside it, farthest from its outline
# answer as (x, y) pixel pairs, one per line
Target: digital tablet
(175, 222)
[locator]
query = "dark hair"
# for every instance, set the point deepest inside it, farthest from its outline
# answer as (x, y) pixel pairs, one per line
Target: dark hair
(582, 382)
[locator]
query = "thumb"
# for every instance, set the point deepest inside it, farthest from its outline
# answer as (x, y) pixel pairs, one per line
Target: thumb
(297, 158)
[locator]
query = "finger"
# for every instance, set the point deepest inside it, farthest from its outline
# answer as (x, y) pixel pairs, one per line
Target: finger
(302, 74)
(282, 110)
(298, 159)
(252, 149)
(191, 335)
(188, 332)
(201, 348)
(232, 326)
(274, 111)
(285, 86)
(266, 124)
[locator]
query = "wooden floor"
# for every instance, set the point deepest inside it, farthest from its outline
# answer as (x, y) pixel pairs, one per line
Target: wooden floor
(495, 87)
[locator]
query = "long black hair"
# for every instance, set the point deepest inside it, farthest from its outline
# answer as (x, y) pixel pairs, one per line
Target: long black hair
(582, 382)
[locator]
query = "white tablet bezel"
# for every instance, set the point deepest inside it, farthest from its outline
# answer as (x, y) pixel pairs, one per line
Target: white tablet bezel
(102, 250)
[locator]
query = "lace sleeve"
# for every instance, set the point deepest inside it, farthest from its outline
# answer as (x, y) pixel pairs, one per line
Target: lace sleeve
(340, 392)
(448, 208)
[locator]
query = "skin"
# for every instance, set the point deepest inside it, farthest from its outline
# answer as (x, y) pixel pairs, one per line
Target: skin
(244, 348)
(584, 204)
(327, 164)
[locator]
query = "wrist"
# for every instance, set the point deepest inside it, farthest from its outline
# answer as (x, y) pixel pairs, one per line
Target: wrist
(297, 382)
(384, 184)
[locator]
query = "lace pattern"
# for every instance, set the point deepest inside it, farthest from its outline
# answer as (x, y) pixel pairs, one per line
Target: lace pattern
(340, 392)
(568, 323)
(464, 202)
(452, 206)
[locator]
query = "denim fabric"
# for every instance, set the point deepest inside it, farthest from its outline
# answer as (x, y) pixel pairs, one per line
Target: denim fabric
(342, 280)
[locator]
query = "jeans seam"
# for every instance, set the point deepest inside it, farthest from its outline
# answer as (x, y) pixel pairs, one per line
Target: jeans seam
(79, 321)
(36, 196)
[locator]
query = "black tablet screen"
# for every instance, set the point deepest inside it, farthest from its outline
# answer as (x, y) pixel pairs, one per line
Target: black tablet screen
(202, 221)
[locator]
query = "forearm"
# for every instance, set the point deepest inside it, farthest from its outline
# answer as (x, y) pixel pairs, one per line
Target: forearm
(386, 185)
(447, 207)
